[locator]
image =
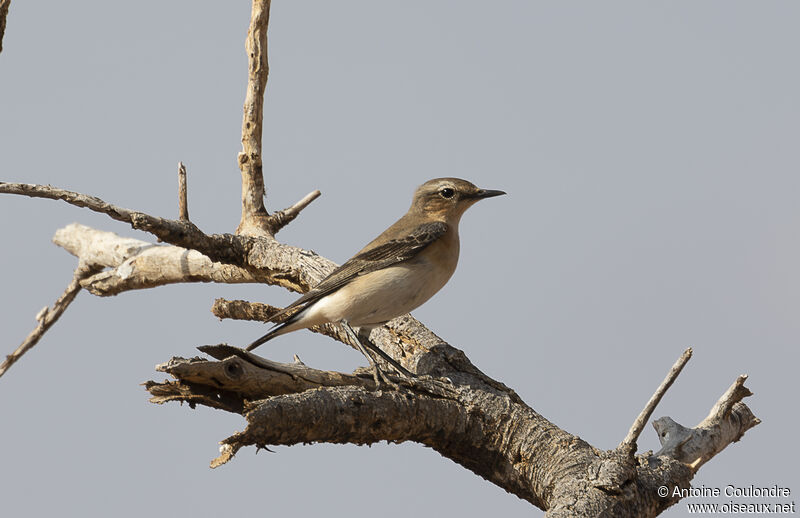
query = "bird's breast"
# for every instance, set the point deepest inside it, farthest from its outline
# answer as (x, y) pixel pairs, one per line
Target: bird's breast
(382, 295)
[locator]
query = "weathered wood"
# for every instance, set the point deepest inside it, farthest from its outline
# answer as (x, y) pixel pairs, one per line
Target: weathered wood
(255, 220)
(183, 201)
(304, 268)
(488, 431)
(727, 421)
(136, 264)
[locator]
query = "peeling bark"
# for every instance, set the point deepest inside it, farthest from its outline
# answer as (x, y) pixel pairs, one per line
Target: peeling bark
(726, 423)
(134, 264)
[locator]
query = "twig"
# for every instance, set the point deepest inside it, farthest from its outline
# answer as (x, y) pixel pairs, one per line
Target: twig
(735, 393)
(47, 317)
(254, 220)
(641, 421)
(280, 219)
(4, 4)
(244, 251)
(225, 248)
(183, 204)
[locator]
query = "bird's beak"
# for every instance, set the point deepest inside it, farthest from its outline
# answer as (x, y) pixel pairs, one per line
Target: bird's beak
(487, 193)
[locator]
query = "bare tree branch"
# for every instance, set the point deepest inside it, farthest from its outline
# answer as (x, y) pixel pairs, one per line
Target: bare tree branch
(488, 431)
(297, 269)
(4, 5)
(47, 316)
(255, 220)
(726, 423)
(178, 233)
(244, 310)
(136, 264)
(644, 416)
(183, 202)
(283, 217)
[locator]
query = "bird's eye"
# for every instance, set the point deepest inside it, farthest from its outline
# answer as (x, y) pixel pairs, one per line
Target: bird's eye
(447, 192)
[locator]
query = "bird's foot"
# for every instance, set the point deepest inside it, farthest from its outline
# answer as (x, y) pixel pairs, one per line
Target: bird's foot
(380, 377)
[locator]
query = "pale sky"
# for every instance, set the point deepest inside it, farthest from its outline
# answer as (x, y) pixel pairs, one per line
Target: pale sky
(650, 153)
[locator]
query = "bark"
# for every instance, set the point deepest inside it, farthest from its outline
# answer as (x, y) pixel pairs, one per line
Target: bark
(460, 413)
(134, 264)
(726, 423)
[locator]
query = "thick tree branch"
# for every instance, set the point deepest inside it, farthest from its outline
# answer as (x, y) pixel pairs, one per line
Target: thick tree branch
(136, 264)
(488, 431)
(48, 316)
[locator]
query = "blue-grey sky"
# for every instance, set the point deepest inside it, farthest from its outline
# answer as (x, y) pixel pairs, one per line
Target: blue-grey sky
(650, 153)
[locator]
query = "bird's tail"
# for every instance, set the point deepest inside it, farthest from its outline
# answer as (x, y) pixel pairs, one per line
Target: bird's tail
(267, 337)
(276, 330)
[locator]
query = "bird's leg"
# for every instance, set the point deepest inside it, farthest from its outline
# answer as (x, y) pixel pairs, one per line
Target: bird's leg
(377, 373)
(363, 337)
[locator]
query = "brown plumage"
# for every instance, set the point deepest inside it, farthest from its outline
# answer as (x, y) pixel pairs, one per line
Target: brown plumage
(397, 271)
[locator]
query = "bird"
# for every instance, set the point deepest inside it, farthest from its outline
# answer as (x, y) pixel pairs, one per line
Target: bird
(392, 275)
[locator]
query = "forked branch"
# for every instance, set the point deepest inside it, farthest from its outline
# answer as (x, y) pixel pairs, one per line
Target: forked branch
(726, 423)
(244, 251)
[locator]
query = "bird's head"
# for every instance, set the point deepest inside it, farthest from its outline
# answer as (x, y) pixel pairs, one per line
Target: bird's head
(446, 199)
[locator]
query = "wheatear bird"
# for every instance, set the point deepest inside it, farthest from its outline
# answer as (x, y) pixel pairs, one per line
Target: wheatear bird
(395, 273)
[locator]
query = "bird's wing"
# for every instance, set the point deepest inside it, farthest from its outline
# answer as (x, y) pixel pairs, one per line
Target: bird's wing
(382, 256)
